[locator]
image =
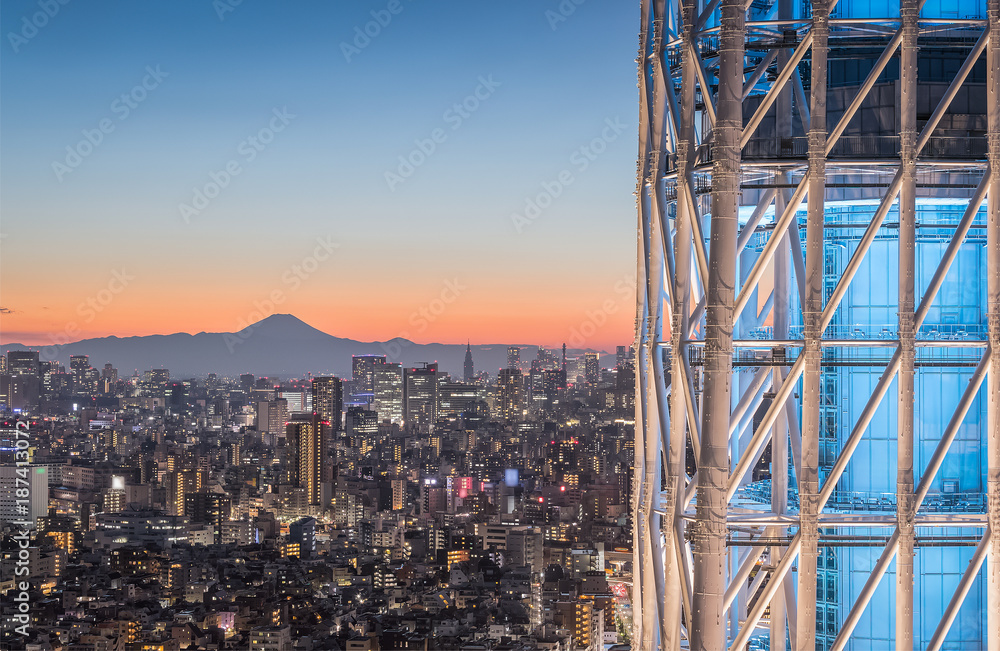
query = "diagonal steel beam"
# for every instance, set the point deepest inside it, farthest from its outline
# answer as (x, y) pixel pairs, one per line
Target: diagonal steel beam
(777, 577)
(773, 242)
(882, 565)
(961, 591)
(776, 87)
(706, 90)
(758, 72)
(892, 368)
(750, 456)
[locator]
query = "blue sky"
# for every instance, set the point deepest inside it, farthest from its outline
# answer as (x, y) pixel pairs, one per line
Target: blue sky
(554, 82)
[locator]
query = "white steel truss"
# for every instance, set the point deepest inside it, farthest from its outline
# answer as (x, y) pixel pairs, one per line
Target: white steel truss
(699, 581)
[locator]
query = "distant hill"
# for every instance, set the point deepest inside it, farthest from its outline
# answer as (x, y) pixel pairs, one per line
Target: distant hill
(281, 345)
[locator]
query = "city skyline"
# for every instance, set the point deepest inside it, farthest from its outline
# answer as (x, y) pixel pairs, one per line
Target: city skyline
(174, 184)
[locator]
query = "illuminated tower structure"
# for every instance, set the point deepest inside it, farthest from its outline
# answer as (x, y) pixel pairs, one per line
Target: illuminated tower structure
(469, 368)
(388, 394)
(308, 441)
(510, 394)
(513, 356)
(420, 395)
(817, 456)
(363, 377)
(328, 400)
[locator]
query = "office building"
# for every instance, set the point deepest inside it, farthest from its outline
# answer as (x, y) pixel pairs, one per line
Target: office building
(328, 400)
(24, 493)
(363, 376)
(388, 393)
(420, 394)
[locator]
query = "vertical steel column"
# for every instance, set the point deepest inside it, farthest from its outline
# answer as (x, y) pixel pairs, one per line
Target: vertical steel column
(781, 312)
(909, 12)
(992, 577)
(641, 582)
(779, 432)
(708, 625)
(812, 315)
(680, 293)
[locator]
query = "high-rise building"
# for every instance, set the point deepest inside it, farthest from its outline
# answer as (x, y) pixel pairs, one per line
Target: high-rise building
(469, 367)
(307, 442)
(21, 385)
(553, 381)
(454, 398)
(510, 394)
(420, 395)
(272, 416)
(624, 356)
(363, 375)
(115, 498)
(157, 379)
(328, 400)
(24, 494)
(592, 368)
(180, 484)
(109, 377)
(359, 421)
(79, 367)
(208, 508)
(513, 356)
(398, 487)
(388, 395)
(22, 362)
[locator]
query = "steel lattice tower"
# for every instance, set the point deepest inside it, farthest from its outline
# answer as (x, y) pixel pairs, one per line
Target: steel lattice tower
(818, 304)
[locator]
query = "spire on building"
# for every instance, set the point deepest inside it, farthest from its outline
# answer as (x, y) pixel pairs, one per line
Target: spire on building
(469, 366)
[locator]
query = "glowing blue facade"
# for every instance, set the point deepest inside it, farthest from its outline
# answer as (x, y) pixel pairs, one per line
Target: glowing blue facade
(869, 484)
(818, 420)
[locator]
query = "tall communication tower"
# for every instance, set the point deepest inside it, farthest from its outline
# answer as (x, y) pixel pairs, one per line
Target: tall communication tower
(817, 458)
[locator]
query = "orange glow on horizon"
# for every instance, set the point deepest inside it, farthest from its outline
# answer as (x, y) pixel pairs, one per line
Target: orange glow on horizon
(587, 313)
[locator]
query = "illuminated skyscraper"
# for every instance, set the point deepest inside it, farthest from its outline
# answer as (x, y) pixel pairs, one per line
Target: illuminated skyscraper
(513, 356)
(180, 484)
(307, 441)
(420, 394)
(454, 398)
(22, 384)
(328, 400)
(22, 362)
(363, 376)
(510, 394)
(388, 402)
(592, 368)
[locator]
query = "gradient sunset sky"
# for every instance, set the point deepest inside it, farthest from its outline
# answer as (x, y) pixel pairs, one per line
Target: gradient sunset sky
(95, 243)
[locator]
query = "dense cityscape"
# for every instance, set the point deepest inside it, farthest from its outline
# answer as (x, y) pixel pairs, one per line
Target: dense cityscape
(399, 508)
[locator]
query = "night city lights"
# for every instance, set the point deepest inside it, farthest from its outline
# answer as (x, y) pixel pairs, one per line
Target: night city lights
(534, 325)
